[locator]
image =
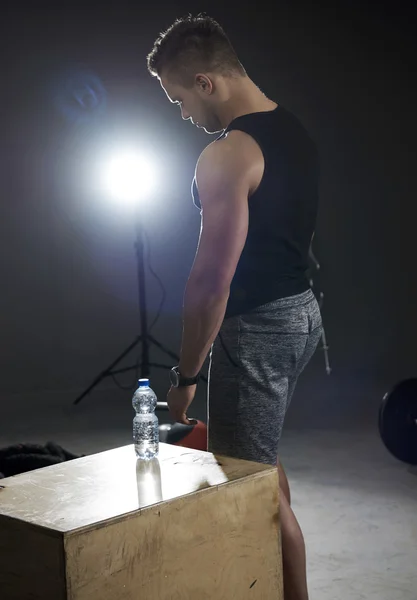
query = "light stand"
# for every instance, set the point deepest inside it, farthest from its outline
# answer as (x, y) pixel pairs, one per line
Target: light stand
(144, 338)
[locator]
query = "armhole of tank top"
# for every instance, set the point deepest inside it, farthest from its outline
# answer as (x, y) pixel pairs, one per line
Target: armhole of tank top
(261, 183)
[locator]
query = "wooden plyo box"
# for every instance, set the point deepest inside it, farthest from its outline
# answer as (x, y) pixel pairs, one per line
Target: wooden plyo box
(186, 526)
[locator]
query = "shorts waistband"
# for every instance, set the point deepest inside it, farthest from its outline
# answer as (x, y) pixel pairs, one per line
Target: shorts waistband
(289, 301)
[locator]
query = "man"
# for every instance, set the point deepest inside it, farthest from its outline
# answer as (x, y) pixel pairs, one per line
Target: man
(247, 296)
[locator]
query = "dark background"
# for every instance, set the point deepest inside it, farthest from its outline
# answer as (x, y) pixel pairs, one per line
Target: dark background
(68, 301)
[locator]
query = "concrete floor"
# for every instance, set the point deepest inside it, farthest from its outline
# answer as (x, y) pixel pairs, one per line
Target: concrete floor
(356, 504)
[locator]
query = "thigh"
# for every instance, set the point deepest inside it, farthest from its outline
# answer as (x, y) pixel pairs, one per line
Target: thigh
(224, 390)
(253, 362)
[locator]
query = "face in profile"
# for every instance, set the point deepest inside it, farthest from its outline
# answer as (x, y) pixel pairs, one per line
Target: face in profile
(195, 104)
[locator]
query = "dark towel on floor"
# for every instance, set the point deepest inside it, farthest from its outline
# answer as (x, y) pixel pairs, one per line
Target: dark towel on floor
(20, 458)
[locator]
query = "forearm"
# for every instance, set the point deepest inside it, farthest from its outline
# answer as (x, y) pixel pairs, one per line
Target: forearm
(204, 310)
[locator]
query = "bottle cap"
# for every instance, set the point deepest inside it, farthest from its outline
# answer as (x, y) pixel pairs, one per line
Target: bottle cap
(143, 382)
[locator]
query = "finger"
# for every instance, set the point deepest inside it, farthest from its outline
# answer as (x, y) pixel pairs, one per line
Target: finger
(188, 421)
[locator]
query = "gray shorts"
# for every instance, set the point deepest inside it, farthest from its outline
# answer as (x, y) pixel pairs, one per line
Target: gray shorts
(254, 365)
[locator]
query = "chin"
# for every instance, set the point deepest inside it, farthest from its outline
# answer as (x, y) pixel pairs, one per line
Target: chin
(210, 130)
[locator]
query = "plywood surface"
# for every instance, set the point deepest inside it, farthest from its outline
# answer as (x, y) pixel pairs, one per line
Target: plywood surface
(32, 562)
(93, 489)
(222, 545)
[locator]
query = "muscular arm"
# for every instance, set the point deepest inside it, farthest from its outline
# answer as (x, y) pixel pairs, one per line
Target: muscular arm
(223, 180)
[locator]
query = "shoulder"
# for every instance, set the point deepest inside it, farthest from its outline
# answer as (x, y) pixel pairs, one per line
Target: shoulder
(235, 158)
(235, 149)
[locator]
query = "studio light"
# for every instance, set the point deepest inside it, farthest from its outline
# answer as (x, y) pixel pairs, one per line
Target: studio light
(129, 176)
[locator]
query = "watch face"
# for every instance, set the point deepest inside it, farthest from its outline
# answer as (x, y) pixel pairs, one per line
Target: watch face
(175, 378)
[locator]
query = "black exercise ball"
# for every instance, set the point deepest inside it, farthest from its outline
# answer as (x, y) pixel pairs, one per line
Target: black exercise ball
(398, 421)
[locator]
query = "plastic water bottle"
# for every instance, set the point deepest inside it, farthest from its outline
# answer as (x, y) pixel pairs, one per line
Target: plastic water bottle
(145, 423)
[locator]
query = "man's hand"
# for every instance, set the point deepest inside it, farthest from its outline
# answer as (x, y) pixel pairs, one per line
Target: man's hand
(179, 399)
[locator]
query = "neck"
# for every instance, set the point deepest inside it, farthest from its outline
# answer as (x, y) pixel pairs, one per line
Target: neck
(242, 98)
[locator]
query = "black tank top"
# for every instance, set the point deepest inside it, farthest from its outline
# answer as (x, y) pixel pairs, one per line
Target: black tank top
(282, 212)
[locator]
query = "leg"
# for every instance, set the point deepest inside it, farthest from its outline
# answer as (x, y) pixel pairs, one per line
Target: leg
(292, 540)
(293, 548)
(283, 482)
(255, 365)
(293, 554)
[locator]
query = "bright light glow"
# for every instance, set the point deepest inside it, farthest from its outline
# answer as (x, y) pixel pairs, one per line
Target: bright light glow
(130, 177)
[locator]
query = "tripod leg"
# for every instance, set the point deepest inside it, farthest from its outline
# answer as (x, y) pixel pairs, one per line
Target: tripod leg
(161, 347)
(107, 371)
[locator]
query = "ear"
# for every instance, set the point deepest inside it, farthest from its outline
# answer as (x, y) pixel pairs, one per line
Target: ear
(204, 83)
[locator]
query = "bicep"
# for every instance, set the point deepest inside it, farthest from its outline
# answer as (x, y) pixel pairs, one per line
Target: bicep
(222, 236)
(223, 186)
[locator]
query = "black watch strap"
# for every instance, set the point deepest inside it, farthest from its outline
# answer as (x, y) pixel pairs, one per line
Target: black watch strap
(177, 380)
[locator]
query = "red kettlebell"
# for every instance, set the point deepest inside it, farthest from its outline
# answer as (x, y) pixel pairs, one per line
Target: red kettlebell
(187, 436)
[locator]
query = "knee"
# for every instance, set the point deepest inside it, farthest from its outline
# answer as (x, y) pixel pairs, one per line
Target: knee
(283, 483)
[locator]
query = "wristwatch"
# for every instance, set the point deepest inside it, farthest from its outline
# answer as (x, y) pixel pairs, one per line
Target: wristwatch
(177, 380)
